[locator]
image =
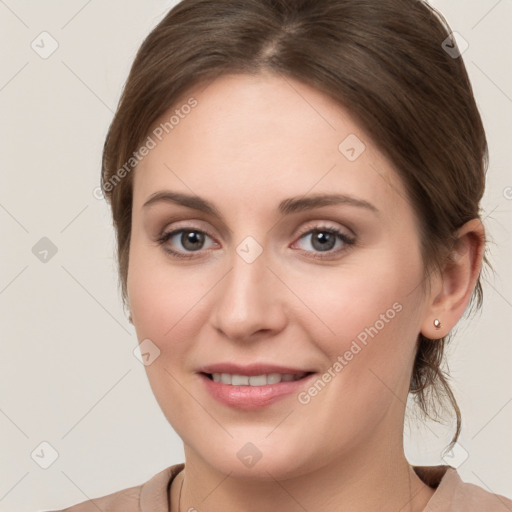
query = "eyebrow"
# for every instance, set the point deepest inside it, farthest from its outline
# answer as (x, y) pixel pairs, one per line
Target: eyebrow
(286, 207)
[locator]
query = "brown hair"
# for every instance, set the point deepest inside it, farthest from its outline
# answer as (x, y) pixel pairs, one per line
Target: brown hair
(385, 61)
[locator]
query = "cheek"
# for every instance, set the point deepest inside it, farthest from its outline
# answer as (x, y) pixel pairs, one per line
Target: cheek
(345, 301)
(164, 299)
(369, 356)
(368, 315)
(167, 309)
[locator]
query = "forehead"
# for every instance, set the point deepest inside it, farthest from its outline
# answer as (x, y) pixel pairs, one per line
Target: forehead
(255, 139)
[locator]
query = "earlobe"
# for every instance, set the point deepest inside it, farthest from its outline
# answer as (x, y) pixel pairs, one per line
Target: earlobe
(456, 282)
(434, 330)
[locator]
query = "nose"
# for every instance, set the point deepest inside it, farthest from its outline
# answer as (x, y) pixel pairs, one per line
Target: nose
(249, 302)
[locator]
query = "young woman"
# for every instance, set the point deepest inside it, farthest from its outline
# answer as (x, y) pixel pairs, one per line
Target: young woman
(295, 188)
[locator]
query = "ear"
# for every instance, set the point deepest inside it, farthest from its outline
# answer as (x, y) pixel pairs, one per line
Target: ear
(451, 289)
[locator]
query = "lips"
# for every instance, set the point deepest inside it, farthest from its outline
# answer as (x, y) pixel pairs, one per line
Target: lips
(252, 386)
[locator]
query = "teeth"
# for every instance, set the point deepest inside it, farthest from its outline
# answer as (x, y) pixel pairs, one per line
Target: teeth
(225, 378)
(274, 378)
(239, 380)
(255, 380)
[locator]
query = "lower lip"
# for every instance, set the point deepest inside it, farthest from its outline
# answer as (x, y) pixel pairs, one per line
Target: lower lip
(252, 397)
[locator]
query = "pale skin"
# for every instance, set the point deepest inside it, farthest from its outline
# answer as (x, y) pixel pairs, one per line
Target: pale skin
(252, 142)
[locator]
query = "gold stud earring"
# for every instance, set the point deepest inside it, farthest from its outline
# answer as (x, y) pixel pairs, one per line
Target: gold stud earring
(437, 324)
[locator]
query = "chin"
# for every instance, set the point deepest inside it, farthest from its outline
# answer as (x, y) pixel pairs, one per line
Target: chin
(263, 460)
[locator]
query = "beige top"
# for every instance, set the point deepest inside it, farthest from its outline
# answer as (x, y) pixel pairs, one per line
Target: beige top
(451, 495)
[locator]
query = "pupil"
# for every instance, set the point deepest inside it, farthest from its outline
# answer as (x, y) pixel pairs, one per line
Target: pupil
(192, 240)
(325, 239)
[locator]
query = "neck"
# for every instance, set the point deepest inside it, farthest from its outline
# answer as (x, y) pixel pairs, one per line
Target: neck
(375, 480)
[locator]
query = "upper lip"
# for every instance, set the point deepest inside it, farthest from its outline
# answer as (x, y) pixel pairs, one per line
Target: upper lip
(251, 369)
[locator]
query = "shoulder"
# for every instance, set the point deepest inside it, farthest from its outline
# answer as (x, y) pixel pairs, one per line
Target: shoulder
(126, 500)
(149, 496)
(470, 497)
(454, 495)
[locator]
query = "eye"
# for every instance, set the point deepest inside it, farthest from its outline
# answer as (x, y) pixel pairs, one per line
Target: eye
(324, 239)
(191, 240)
(326, 242)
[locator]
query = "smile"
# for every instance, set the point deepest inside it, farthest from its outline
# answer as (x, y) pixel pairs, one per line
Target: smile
(255, 380)
(256, 391)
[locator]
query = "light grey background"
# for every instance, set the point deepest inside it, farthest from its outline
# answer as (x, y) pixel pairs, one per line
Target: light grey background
(68, 375)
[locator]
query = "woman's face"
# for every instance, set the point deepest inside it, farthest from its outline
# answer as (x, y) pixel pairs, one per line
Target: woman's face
(238, 282)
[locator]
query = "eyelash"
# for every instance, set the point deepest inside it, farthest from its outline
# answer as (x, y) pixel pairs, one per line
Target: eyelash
(347, 241)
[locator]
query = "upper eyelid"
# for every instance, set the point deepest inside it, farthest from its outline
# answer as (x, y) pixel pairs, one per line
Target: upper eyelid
(184, 225)
(310, 226)
(319, 225)
(289, 216)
